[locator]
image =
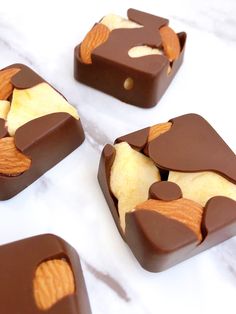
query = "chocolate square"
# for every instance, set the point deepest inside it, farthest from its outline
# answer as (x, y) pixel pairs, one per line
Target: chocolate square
(161, 230)
(19, 262)
(112, 67)
(45, 140)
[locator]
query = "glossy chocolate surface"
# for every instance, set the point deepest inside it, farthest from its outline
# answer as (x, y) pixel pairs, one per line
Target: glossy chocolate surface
(25, 78)
(17, 274)
(46, 140)
(193, 145)
(136, 139)
(165, 191)
(111, 64)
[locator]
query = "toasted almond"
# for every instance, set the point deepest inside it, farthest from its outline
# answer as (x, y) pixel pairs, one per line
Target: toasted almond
(158, 129)
(97, 36)
(183, 210)
(6, 87)
(12, 161)
(53, 281)
(170, 42)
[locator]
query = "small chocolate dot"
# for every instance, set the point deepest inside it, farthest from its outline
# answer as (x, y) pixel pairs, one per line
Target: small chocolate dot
(165, 191)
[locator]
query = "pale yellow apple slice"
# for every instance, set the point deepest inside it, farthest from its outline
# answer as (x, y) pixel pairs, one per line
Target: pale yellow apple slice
(141, 51)
(4, 108)
(201, 186)
(132, 174)
(35, 102)
(113, 21)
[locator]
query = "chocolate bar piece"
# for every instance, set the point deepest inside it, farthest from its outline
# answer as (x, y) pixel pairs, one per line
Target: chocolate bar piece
(171, 189)
(42, 273)
(132, 59)
(38, 128)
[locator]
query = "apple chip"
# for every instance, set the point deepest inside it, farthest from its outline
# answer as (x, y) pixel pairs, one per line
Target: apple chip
(132, 174)
(35, 102)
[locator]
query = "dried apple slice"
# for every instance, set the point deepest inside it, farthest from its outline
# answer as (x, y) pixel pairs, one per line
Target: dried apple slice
(113, 21)
(201, 186)
(141, 51)
(4, 108)
(35, 102)
(132, 174)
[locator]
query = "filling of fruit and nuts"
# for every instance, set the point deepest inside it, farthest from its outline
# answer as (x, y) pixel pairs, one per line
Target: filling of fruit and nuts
(17, 107)
(133, 173)
(99, 34)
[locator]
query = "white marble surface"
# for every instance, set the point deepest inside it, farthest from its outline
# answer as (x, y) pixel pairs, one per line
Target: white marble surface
(67, 200)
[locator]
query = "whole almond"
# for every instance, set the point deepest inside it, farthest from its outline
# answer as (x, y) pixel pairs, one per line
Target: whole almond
(183, 210)
(97, 36)
(158, 129)
(6, 87)
(53, 281)
(12, 161)
(170, 42)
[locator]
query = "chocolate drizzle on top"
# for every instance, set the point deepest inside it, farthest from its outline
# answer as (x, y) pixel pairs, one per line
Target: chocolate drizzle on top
(192, 145)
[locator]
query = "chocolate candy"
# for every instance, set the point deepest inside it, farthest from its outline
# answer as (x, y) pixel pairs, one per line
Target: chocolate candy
(42, 273)
(133, 60)
(38, 128)
(171, 189)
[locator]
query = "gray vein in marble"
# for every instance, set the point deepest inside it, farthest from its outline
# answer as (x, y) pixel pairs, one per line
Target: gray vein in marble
(109, 281)
(44, 184)
(7, 45)
(95, 137)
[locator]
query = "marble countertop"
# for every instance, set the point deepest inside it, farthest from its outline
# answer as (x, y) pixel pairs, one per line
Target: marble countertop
(67, 200)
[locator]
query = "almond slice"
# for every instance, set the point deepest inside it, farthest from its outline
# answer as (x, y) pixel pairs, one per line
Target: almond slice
(97, 36)
(170, 42)
(53, 281)
(183, 210)
(6, 87)
(158, 129)
(12, 161)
